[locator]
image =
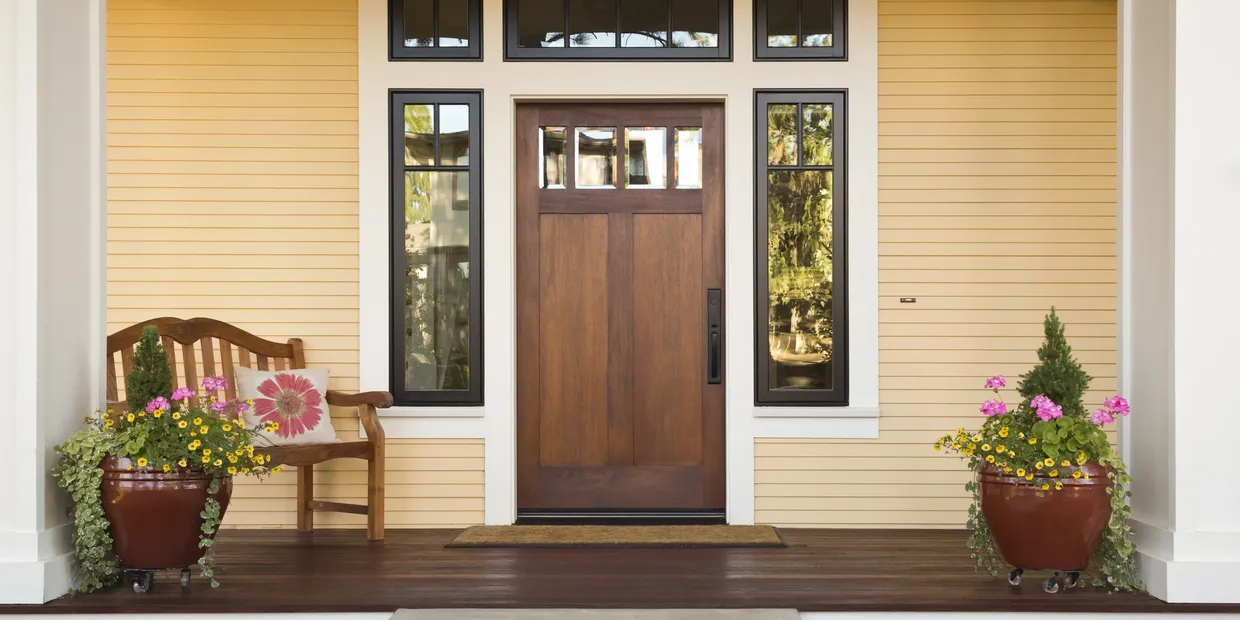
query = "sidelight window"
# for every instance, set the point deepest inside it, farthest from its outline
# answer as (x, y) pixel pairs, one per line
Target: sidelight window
(435, 29)
(800, 29)
(436, 248)
(618, 29)
(801, 336)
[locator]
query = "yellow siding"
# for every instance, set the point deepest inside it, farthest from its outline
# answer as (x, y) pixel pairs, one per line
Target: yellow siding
(997, 189)
(233, 193)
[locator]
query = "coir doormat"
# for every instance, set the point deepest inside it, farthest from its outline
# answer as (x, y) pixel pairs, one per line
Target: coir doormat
(631, 536)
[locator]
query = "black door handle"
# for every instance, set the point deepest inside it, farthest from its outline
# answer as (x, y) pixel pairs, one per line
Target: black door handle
(714, 344)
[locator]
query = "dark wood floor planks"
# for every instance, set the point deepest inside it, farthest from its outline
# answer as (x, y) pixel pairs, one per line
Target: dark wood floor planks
(822, 570)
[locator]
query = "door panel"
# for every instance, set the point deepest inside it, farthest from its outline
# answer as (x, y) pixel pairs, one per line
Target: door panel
(614, 410)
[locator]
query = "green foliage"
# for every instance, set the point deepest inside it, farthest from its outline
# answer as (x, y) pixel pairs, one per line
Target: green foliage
(149, 375)
(78, 472)
(1057, 375)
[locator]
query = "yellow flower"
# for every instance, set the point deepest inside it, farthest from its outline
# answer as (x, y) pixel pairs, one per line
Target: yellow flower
(1077, 474)
(141, 414)
(245, 470)
(1045, 487)
(1080, 459)
(197, 421)
(142, 462)
(129, 418)
(1003, 432)
(206, 459)
(1020, 435)
(1007, 470)
(218, 462)
(1087, 476)
(227, 427)
(277, 469)
(111, 411)
(985, 447)
(1020, 473)
(167, 467)
(176, 415)
(158, 412)
(1012, 453)
(181, 424)
(1054, 473)
(276, 425)
(972, 446)
(183, 463)
(204, 430)
(249, 401)
(1033, 441)
(1058, 485)
(938, 447)
(1038, 465)
(1029, 477)
(206, 451)
(240, 423)
(956, 445)
(1049, 461)
(232, 458)
(109, 424)
(232, 471)
(239, 452)
(193, 433)
(990, 458)
(976, 438)
(1065, 463)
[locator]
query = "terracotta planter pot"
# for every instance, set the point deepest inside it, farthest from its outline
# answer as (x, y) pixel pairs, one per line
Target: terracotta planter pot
(156, 517)
(1047, 530)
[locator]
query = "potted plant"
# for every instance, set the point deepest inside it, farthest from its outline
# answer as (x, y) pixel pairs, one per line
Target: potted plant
(150, 484)
(1050, 492)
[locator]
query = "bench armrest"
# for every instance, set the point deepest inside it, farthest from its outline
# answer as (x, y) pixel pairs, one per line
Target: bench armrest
(366, 403)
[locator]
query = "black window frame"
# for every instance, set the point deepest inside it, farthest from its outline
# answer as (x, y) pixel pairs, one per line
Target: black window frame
(514, 52)
(839, 36)
(764, 395)
(396, 35)
(398, 99)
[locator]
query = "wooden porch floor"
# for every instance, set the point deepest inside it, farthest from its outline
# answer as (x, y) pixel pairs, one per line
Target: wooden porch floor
(822, 570)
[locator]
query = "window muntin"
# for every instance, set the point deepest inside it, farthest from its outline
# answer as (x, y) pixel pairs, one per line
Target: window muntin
(435, 29)
(801, 332)
(800, 29)
(618, 29)
(436, 251)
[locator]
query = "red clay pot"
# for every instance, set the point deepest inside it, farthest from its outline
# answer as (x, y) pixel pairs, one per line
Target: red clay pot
(156, 517)
(1047, 530)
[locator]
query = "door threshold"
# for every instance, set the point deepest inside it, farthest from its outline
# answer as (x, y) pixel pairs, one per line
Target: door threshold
(621, 517)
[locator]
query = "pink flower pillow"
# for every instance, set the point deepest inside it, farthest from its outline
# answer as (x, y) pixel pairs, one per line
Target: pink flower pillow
(296, 400)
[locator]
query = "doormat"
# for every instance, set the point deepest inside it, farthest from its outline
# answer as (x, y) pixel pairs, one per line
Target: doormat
(630, 536)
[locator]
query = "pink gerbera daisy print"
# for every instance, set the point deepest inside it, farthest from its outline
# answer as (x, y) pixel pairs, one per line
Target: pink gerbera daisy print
(292, 401)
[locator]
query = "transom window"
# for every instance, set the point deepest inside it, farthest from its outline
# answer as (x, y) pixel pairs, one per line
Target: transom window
(436, 248)
(800, 29)
(591, 158)
(802, 335)
(435, 29)
(618, 29)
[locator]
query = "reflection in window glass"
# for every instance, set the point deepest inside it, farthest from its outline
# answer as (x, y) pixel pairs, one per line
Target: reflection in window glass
(596, 158)
(782, 135)
(552, 143)
(419, 135)
(645, 157)
(816, 127)
(436, 281)
(453, 23)
(419, 23)
(695, 23)
(688, 158)
(540, 23)
(592, 23)
(817, 22)
(781, 22)
(454, 135)
(800, 277)
(643, 23)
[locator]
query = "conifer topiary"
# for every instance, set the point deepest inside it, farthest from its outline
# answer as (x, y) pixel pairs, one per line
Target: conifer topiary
(1057, 375)
(149, 375)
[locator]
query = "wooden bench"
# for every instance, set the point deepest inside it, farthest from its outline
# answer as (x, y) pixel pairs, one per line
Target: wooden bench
(237, 347)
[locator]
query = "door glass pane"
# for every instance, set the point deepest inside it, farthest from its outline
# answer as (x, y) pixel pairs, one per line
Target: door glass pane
(454, 135)
(781, 22)
(688, 158)
(419, 135)
(552, 143)
(436, 281)
(592, 23)
(800, 275)
(596, 158)
(453, 23)
(817, 19)
(781, 135)
(817, 127)
(695, 23)
(540, 23)
(645, 157)
(419, 23)
(643, 23)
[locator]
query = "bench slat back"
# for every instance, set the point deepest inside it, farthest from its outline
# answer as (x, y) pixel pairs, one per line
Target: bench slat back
(196, 356)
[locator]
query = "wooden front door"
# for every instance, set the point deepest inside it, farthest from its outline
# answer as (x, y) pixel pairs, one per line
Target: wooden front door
(620, 396)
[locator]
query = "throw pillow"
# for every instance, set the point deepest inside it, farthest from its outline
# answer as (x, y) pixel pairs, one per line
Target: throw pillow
(295, 399)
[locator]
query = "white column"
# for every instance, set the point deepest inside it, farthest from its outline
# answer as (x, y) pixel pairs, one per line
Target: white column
(1181, 274)
(52, 261)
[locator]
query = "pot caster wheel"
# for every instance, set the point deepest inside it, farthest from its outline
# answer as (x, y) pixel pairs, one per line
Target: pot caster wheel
(1052, 584)
(1014, 576)
(143, 581)
(1070, 578)
(184, 577)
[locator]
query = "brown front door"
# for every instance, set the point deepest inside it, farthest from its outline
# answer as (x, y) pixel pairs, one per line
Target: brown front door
(619, 307)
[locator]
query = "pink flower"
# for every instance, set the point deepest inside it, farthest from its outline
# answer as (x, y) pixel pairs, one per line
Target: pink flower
(218, 407)
(1101, 416)
(1046, 409)
(994, 407)
(1039, 400)
(292, 401)
(213, 384)
(1117, 404)
(182, 393)
(996, 382)
(242, 406)
(159, 402)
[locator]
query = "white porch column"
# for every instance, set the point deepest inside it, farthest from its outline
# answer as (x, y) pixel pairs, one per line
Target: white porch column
(51, 273)
(1181, 273)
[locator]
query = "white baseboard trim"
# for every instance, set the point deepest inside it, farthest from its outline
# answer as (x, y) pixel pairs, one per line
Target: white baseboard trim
(1188, 567)
(35, 583)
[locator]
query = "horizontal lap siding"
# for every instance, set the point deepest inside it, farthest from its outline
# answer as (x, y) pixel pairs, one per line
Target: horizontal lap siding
(997, 190)
(233, 193)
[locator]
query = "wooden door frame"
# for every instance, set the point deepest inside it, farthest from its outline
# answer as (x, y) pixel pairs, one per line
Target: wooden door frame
(526, 293)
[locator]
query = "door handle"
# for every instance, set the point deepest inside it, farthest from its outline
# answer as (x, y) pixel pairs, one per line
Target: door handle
(714, 337)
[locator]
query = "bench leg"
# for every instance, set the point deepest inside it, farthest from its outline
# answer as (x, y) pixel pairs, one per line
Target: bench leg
(374, 497)
(305, 493)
